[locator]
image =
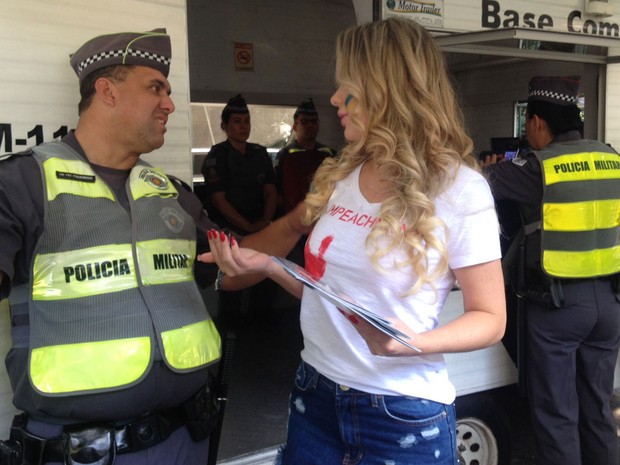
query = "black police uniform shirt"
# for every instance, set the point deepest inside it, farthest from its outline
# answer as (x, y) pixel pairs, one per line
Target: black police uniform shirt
(241, 176)
(21, 224)
(521, 181)
(295, 167)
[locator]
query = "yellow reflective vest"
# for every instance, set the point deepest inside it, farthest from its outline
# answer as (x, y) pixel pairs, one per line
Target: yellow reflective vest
(111, 290)
(580, 226)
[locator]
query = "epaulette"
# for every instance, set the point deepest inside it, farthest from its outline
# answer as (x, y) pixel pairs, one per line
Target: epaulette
(179, 182)
(8, 156)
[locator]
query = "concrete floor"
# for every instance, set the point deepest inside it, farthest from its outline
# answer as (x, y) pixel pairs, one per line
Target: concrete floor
(264, 364)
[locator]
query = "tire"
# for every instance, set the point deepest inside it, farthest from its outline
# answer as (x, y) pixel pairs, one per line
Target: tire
(482, 431)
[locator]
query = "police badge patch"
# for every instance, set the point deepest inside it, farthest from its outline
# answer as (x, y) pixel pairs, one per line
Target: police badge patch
(154, 178)
(173, 220)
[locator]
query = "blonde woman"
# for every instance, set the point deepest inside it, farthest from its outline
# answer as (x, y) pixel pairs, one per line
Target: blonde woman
(399, 217)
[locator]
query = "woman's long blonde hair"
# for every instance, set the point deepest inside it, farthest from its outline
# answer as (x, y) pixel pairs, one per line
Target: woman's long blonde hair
(414, 132)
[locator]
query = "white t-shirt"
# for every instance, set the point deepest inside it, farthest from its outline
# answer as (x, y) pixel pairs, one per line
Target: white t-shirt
(336, 252)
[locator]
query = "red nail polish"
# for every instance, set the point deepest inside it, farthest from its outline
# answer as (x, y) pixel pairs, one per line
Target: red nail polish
(233, 241)
(222, 236)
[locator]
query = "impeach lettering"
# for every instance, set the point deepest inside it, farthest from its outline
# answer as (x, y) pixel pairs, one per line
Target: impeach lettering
(97, 270)
(349, 216)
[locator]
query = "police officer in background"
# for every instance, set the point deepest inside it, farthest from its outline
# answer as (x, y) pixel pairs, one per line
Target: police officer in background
(241, 186)
(239, 176)
(296, 163)
(568, 191)
(111, 338)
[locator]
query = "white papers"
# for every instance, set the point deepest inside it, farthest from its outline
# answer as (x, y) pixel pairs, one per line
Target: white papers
(331, 295)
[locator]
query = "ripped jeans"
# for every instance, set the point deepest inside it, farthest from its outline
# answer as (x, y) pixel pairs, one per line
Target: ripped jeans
(332, 424)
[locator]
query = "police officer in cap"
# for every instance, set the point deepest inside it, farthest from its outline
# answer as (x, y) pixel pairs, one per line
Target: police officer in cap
(296, 163)
(568, 192)
(239, 176)
(111, 339)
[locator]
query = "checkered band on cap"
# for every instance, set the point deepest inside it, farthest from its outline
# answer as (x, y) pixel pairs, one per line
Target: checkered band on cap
(152, 49)
(554, 89)
(237, 109)
(235, 105)
(112, 54)
(548, 94)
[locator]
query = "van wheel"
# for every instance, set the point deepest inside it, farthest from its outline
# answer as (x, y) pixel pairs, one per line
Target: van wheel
(482, 431)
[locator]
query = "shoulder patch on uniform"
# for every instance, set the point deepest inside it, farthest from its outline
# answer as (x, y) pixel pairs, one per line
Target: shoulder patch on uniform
(178, 182)
(154, 178)
(8, 156)
(212, 176)
(519, 161)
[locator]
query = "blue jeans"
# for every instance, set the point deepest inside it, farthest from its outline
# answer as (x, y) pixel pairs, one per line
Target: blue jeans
(333, 424)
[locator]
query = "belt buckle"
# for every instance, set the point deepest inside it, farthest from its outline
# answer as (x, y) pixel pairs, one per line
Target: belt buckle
(84, 445)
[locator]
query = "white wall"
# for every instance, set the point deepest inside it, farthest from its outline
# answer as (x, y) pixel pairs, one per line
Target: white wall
(39, 86)
(551, 15)
(612, 106)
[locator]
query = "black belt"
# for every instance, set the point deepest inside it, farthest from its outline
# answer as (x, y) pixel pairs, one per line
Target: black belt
(141, 433)
(609, 277)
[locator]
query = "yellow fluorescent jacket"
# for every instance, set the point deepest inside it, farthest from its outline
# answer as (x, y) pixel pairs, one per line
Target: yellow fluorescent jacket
(110, 288)
(580, 210)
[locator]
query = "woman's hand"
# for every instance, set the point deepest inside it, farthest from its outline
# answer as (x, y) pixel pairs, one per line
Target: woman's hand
(245, 267)
(232, 260)
(377, 341)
